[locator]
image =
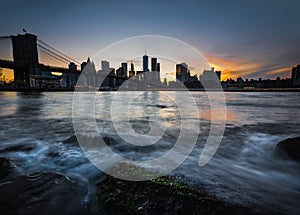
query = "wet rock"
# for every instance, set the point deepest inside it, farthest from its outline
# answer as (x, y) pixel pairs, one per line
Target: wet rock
(53, 154)
(5, 167)
(23, 148)
(89, 141)
(291, 147)
(42, 193)
(158, 106)
(72, 140)
(161, 106)
(165, 195)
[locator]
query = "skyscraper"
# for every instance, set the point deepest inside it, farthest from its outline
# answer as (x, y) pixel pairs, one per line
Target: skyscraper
(124, 69)
(218, 73)
(181, 72)
(131, 67)
(210, 78)
(296, 75)
(158, 72)
(131, 72)
(153, 64)
(119, 72)
(145, 63)
(104, 65)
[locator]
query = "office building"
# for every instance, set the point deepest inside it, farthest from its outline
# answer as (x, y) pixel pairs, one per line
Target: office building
(296, 75)
(145, 63)
(153, 64)
(104, 65)
(124, 69)
(182, 72)
(131, 72)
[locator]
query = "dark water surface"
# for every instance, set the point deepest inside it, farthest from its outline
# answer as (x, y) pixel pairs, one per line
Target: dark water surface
(245, 169)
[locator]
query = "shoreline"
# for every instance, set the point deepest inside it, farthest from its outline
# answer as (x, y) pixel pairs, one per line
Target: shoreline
(162, 89)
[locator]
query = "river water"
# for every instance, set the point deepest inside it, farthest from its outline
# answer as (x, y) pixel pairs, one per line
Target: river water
(245, 169)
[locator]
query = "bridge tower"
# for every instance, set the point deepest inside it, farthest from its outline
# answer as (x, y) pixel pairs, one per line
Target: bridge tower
(25, 56)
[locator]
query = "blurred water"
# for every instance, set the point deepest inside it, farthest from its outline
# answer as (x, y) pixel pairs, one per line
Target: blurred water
(245, 168)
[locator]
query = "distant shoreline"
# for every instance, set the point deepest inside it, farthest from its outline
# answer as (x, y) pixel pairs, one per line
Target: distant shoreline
(162, 89)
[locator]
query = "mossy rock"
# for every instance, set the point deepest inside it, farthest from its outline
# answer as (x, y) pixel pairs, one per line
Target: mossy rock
(164, 195)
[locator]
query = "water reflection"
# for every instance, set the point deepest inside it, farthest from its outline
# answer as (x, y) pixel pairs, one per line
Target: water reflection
(8, 103)
(29, 103)
(230, 117)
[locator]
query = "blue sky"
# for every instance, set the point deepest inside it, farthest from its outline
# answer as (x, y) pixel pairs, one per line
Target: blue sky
(243, 38)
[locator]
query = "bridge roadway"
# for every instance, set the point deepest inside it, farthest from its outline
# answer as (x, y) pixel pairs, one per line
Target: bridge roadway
(11, 65)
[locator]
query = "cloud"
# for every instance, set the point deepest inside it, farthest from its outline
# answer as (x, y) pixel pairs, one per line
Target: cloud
(281, 71)
(233, 68)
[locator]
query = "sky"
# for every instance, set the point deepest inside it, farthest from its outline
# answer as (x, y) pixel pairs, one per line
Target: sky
(248, 39)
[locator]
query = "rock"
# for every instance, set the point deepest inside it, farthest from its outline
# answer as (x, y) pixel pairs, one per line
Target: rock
(72, 140)
(5, 167)
(42, 193)
(158, 106)
(53, 154)
(165, 195)
(291, 147)
(161, 106)
(23, 148)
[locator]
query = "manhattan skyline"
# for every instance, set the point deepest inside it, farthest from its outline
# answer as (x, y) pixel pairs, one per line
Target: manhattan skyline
(248, 39)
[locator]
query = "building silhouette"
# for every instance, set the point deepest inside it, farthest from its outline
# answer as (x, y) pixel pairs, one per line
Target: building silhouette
(145, 63)
(296, 75)
(72, 76)
(153, 64)
(218, 73)
(131, 72)
(104, 76)
(182, 72)
(104, 65)
(124, 69)
(155, 69)
(210, 78)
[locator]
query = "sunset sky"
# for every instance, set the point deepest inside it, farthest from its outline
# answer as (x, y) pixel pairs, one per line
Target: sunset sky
(251, 39)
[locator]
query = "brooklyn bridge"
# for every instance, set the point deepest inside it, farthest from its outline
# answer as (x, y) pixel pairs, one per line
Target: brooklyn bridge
(37, 64)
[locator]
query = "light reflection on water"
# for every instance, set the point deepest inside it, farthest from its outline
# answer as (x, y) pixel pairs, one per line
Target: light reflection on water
(244, 168)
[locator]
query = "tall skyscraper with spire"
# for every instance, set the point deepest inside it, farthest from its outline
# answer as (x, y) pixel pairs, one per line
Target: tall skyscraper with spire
(145, 63)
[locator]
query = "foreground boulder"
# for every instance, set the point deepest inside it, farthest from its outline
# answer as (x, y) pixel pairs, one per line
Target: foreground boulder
(165, 195)
(42, 193)
(291, 147)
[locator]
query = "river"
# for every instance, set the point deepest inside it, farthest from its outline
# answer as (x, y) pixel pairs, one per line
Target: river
(245, 169)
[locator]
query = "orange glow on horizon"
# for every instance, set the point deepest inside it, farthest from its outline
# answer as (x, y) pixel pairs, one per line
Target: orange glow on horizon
(8, 74)
(283, 72)
(242, 68)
